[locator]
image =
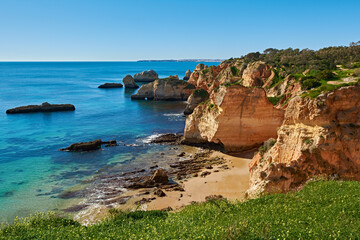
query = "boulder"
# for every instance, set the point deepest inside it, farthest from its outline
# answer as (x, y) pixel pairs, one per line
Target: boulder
(83, 146)
(187, 75)
(129, 82)
(44, 107)
(146, 76)
(111, 85)
(160, 176)
(168, 89)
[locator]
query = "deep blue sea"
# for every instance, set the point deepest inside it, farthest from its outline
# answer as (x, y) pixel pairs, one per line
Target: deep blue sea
(32, 170)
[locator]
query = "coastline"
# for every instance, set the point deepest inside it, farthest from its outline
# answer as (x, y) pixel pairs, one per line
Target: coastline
(228, 179)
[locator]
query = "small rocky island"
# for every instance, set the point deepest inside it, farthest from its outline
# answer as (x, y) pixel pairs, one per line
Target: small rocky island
(44, 107)
(111, 85)
(146, 76)
(129, 82)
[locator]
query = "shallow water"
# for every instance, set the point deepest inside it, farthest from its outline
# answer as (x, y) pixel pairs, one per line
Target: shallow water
(32, 172)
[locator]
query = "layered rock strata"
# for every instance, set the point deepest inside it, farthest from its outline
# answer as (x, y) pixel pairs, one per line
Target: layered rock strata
(319, 137)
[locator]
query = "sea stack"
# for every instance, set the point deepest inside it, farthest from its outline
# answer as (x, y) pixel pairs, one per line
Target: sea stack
(44, 107)
(129, 82)
(146, 76)
(187, 75)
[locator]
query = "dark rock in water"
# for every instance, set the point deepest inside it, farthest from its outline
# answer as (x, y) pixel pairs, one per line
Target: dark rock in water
(111, 143)
(44, 107)
(76, 208)
(129, 82)
(83, 146)
(146, 76)
(167, 138)
(155, 166)
(160, 193)
(7, 194)
(160, 176)
(111, 85)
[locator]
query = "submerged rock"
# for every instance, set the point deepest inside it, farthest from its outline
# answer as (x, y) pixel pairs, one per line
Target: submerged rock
(168, 89)
(146, 76)
(44, 107)
(129, 82)
(84, 146)
(111, 85)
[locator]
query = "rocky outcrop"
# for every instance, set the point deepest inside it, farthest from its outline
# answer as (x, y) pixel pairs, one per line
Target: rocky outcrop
(146, 76)
(89, 146)
(236, 118)
(319, 137)
(256, 74)
(83, 146)
(168, 138)
(169, 89)
(187, 75)
(111, 85)
(197, 96)
(44, 107)
(129, 82)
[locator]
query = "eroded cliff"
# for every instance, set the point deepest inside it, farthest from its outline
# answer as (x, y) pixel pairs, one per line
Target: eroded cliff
(319, 137)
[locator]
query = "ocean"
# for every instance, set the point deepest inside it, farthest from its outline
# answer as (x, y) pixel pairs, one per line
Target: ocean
(33, 173)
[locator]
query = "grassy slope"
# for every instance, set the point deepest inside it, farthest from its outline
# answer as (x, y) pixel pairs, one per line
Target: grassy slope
(322, 210)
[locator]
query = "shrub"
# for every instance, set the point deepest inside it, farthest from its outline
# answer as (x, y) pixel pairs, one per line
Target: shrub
(234, 71)
(201, 93)
(357, 72)
(325, 75)
(310, 83)
(275, 100)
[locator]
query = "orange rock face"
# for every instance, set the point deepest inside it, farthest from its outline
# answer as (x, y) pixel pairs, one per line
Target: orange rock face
(236, 117)
(319, 137)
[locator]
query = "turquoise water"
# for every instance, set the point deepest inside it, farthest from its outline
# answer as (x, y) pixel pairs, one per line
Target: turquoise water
(32, 172)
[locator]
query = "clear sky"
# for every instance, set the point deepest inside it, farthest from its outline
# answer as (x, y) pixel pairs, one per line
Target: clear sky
(170, 29)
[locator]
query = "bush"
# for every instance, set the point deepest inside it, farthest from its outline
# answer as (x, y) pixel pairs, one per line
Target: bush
(310, 83)
(325, 75)
(201, 93)
(234, 71)
(275, 100)
(357, 72)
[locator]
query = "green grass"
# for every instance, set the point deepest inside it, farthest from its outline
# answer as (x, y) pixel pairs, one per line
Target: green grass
(275, 100)
(325, 87)
(322, 210)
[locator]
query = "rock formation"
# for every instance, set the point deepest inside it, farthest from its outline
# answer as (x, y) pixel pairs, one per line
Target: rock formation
(44, 107)
(129, 82)
(111, 85)
(256, 74)
(187, 75)
(197, 96)
(319, 137)
(146, 76)
(165, 89)
(236, 118)
(83, 146)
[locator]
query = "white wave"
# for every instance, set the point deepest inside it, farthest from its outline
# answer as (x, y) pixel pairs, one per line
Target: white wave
(148, 139)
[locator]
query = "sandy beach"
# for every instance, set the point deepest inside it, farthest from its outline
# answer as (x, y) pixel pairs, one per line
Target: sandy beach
(230, 179)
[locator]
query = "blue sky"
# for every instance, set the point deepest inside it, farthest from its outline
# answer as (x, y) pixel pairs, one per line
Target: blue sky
(34, 30)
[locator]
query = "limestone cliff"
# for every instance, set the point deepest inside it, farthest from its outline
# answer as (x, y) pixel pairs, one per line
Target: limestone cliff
(165, 89)
(235, 117)
(319, 137)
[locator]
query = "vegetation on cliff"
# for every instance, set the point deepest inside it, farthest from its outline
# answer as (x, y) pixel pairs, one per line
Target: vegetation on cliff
(322, 210)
